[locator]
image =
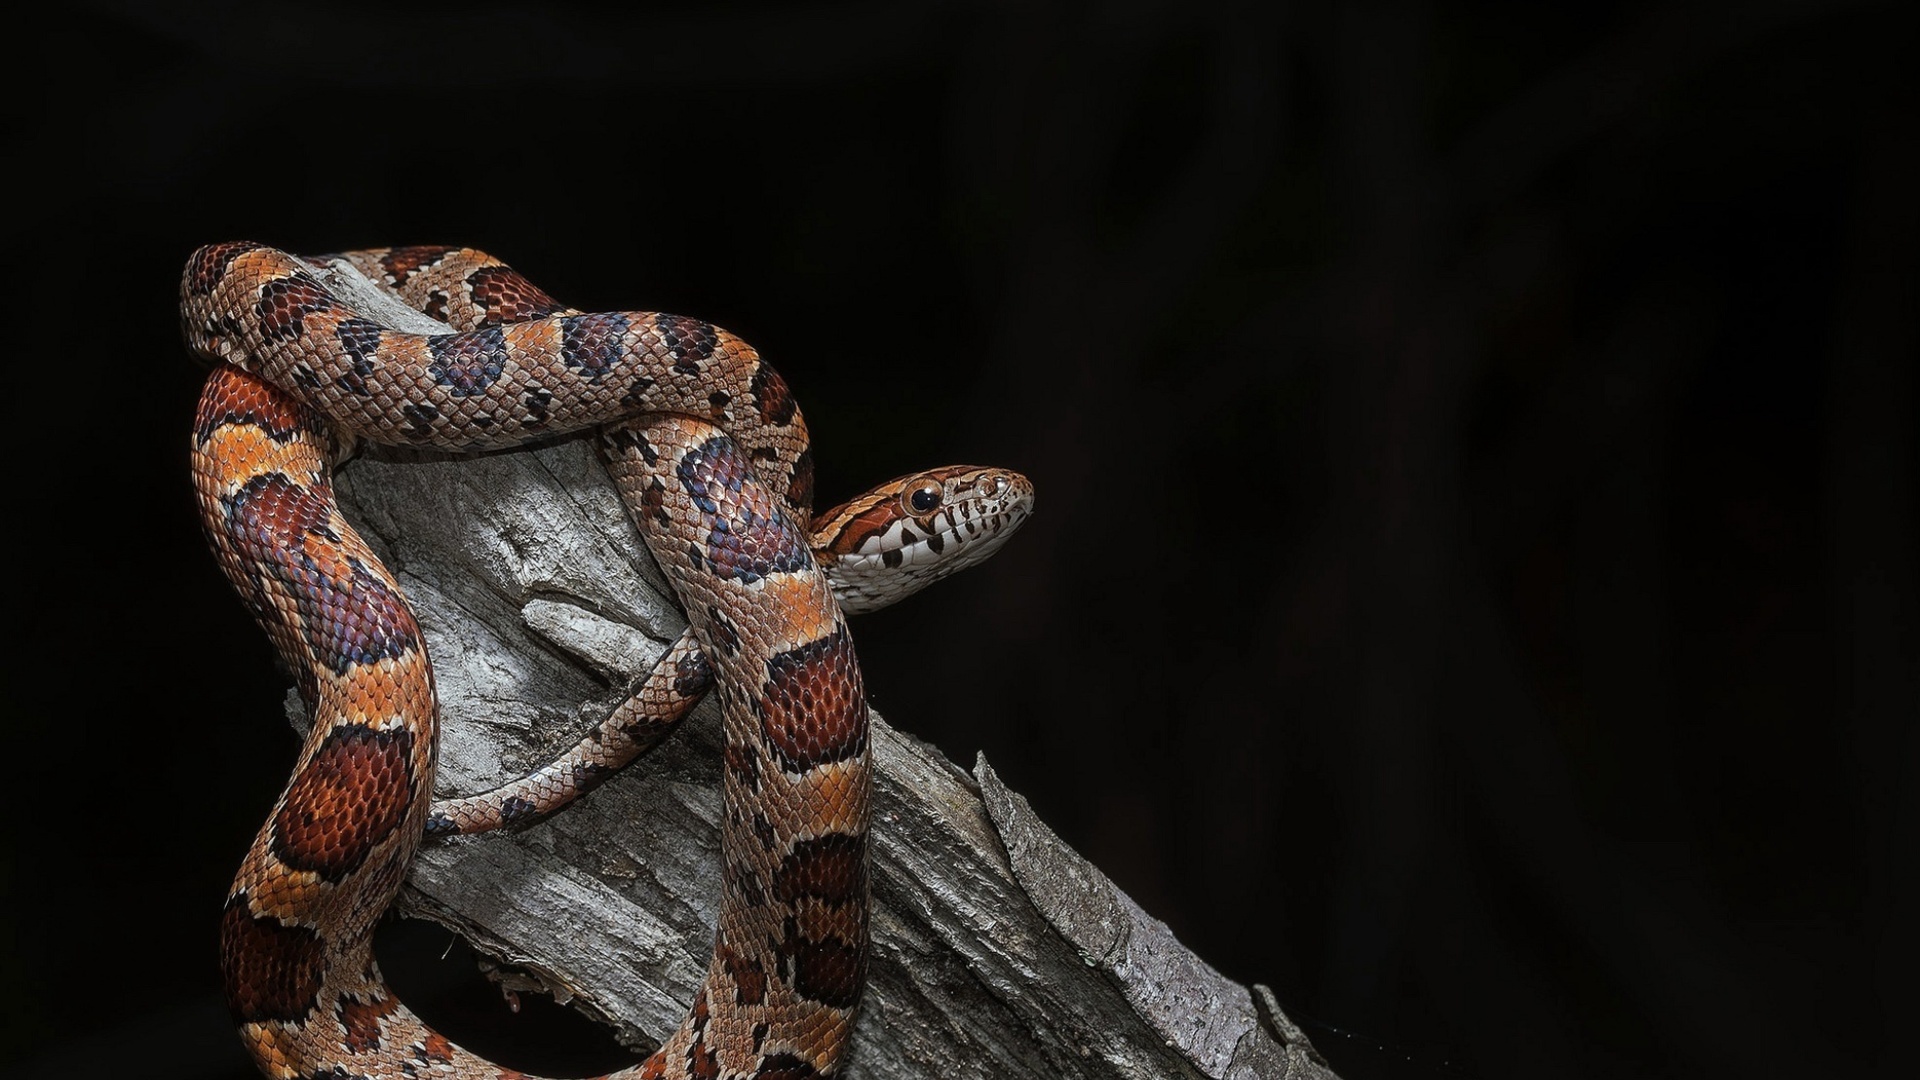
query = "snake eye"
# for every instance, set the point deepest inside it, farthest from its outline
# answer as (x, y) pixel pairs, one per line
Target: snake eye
(924, 498)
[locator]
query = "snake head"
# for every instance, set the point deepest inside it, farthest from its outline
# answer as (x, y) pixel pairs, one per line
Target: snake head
(903, 535)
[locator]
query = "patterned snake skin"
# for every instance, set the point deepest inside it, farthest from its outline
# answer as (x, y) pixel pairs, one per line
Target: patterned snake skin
(876, 549)
(710, 451)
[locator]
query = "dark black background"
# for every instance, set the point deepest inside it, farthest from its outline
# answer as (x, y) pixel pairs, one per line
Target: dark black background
(1473, 587)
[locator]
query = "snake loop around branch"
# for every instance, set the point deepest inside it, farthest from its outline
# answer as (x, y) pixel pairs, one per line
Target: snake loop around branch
(709, 448)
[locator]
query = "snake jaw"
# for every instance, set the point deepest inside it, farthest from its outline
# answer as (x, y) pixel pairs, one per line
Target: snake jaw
(882, 546)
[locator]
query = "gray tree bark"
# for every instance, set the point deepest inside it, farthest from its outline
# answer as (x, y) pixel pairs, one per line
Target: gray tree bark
(997, 951)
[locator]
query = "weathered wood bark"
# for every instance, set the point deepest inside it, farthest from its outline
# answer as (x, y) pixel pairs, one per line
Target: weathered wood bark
(998, 952)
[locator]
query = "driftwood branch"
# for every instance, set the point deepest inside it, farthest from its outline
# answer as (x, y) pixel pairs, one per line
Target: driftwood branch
(998, 951)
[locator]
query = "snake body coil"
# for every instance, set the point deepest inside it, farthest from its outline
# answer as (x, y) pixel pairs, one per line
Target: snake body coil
(711, 453)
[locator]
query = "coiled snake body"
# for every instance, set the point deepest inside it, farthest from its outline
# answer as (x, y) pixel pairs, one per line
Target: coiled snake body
(711, 453)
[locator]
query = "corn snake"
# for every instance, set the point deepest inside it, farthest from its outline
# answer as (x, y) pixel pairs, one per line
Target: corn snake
(713, 453)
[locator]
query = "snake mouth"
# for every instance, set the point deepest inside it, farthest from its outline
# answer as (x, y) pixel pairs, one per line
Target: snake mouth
(888, 569)
(972, 525)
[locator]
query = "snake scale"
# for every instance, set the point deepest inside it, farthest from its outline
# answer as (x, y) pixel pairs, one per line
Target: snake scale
(710, 451)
